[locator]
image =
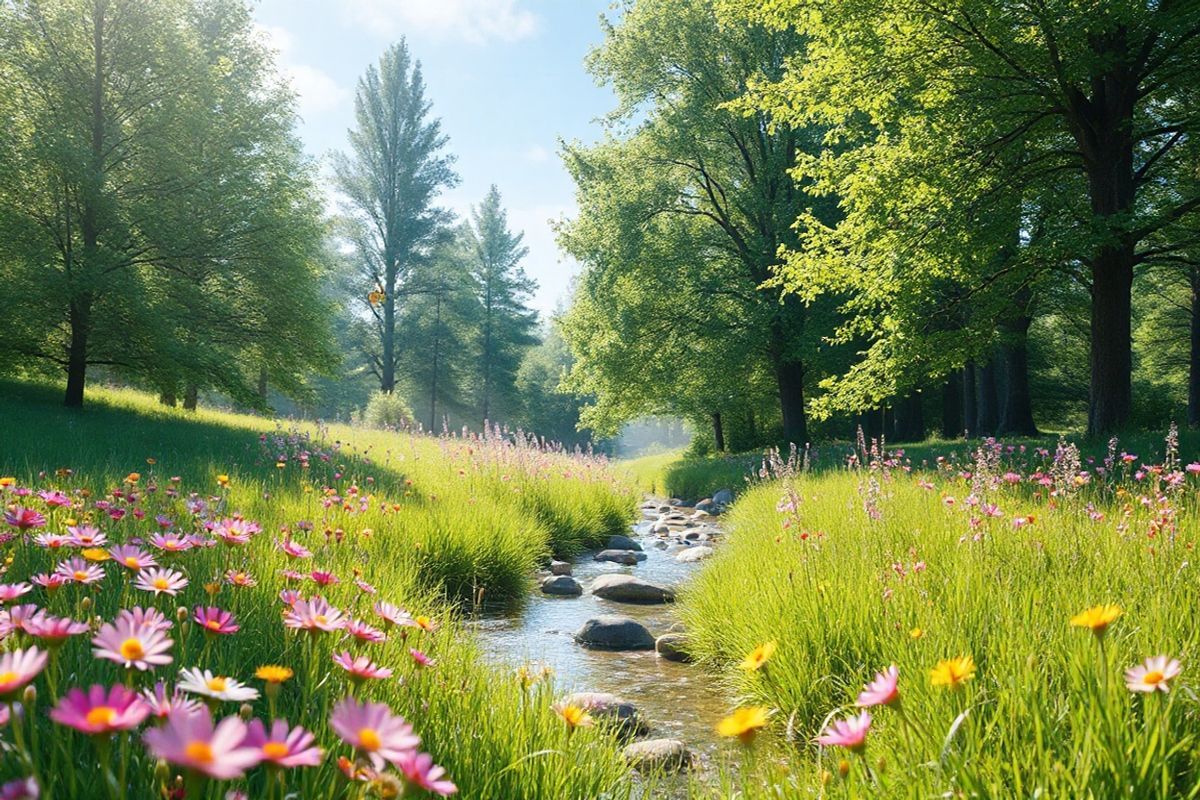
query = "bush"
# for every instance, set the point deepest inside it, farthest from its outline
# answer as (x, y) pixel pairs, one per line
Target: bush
(387, 411)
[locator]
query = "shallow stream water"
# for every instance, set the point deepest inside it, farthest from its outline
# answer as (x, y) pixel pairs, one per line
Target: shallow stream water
(678, 701)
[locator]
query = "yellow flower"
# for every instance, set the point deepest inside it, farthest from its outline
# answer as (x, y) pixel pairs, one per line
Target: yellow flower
(7, 481)
(272, 673)
(916, 633)
(95, 554)
(953, 672)
(426, 624)
(133, 477)
(151, 461)
(223, 480)
(759, 656)
(575, 716)
(212, 587)
(1097, 618)
(744, 723)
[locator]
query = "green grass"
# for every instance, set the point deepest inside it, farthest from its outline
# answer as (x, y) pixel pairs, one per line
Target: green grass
(1047, 713)
(432, 524)
(692, 478)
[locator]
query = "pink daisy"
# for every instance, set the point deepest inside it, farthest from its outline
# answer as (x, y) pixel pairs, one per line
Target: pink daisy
(132, 645)
(235, 577)
(18, 668)
(284, 746)
(161, 705)
(394, 615)
(150, 618)
(191, 741)
(289, 596)
(11, 591)
(52, 541)
(882, 691)
(235, 532)
(161, 581)
(364, 632)
(322, 578)
(78, 570)
(49, 581)
(170, 543)
(421, 659)
(372, 729)
(294, 549)
(850, 733)
(360, 668)
(54, 499)
(24, 519)
(134, 558)
(365, 587)
(1152, 675)
(314, 615)
(18, 618)
(54, 630)
(215, 620)
(86, 536)
(419, 770)
(21, 789)
(100, 710)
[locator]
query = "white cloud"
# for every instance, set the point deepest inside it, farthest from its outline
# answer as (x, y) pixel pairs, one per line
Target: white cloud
(473, 21)
(317, 93)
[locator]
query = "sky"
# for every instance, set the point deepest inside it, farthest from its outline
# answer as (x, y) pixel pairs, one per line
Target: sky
(506, 77)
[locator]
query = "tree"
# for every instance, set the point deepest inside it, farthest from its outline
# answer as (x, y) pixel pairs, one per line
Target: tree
(391, 180)
(948, 112)
(681, 163)
(143, 139)
(545, 407)
(502, 289)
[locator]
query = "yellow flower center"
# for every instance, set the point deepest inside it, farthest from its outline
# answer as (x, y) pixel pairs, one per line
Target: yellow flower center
(101, 715)
(275, 750)
(131, 561)
(7, 678)
(1153, 678)
(132, 649)
(200, 752)
(368, 739)
(217, 684)
(80, 575)
(171, 545)
(161, 584)
(321, 619)
(213, 625)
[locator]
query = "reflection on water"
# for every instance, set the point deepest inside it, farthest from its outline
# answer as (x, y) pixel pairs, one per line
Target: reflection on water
(677, 700)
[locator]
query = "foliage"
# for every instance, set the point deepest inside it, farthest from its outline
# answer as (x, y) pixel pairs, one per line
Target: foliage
(387, 411)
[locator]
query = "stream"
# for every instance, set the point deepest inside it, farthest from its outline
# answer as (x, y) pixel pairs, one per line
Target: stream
(677, 700)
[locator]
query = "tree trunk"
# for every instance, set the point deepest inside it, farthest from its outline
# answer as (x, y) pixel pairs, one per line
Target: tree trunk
(1016, 405)
(80, 321)
(970, 401)
(909, 419)
(191, 394)
(952, 409)
(789, 378)
(988, 414)
(437, 343)
(718, 432)
(1194, 354)
(167, 398)
(1111, 392)
(387, 372)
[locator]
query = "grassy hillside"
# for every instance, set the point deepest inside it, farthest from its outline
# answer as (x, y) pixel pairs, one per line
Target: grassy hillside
(839, 574)
(366, 517)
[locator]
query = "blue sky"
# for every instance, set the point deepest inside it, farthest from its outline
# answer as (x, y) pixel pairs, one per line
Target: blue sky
(505, 76)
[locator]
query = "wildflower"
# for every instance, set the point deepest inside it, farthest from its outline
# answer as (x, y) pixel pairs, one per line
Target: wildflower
(394, 615)
(744, 723)
(49, 581)
(283, 746)
(758, 657)
(239, 578)
(217, 687)
(294, 549)
(24, 519)
(916, 633)
(133, 645)
(360, 668)
(215, 620)
(18, 618)
(134, 558)
(100, 710)
(314, 615)
(419, 770)
(21, 789)
(273, 674)
(575, 716)
(953, 672)
(1152, 675)
(883, 690)
(86, 536)
(11, 591)
(170, 543)
(321, 578)
(235, 531)
(421, 659)
(223, 480)
(77, 570)
(426, 624)
(191, 741)
(1097, 618)
(850, 733)
(364, 632)
(150, 618)
(374, 730)
(162, 706)
(54, 631)
(18, 668)
(161, 581)
(52, 541)
(97, 555)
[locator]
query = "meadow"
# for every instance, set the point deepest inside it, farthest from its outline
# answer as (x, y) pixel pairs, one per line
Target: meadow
(1008, 621)
(159, 563)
